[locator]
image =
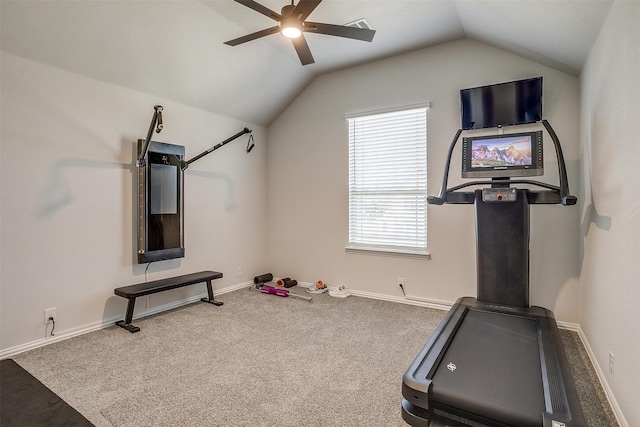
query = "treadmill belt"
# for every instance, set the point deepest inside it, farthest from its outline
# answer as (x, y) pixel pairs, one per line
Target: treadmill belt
(492, 369)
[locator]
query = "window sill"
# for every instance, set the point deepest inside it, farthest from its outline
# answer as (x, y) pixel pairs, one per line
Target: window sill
(388, 252)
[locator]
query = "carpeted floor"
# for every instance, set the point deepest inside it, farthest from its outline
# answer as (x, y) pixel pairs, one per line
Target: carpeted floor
(259, 360)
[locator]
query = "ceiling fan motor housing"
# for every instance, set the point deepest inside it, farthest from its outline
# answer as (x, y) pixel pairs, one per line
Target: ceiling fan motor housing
(286, 10)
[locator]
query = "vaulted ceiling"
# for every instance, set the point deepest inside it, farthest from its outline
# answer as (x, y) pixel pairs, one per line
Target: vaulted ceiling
(175, 50)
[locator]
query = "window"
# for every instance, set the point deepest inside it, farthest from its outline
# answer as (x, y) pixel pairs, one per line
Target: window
(388, 181)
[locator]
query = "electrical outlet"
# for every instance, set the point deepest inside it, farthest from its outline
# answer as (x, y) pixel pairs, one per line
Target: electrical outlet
(611, 363)
(49, 312)
(239, 271)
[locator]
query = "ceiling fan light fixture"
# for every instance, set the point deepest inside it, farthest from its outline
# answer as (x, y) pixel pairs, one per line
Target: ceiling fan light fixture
(291, 28)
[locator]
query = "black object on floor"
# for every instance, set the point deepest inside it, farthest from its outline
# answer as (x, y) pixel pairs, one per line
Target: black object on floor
(25, 401)
(263, 278)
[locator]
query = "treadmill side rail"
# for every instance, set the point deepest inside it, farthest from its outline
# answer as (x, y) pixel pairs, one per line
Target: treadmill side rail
(417, 379)
(561, 397)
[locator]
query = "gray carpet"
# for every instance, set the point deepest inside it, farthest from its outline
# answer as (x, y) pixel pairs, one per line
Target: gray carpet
(259, 360)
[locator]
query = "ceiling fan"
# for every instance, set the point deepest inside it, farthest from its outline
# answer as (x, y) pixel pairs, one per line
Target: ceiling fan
(292, 23)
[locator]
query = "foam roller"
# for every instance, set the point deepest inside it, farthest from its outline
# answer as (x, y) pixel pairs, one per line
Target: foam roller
(263, 278)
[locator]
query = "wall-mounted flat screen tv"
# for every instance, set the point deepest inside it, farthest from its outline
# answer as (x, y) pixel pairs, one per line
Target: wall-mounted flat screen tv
(504, 104)
(509, 155)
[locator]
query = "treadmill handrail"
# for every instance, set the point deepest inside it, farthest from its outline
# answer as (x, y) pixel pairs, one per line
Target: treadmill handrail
(511, 181)
(565, 194)
(565, 197)
(440, 199)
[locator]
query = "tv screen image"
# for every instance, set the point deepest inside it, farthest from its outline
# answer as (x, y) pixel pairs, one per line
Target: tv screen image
(494, 156)
(512, 103)
(501, 152)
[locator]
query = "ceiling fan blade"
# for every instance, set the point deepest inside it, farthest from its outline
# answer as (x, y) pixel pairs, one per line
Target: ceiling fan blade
(260, 9)
(302, 48)
(304, 9)
(339, 31)
(253, 36)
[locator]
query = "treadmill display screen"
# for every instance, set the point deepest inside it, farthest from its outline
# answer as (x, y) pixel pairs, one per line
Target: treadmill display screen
(518, 154)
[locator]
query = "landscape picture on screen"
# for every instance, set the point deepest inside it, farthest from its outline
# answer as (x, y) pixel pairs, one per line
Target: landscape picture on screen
(501, 152)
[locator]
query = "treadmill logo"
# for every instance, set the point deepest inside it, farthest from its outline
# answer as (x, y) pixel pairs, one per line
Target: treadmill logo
(451, 366)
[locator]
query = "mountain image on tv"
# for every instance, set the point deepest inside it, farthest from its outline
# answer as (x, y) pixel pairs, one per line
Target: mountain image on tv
(501, 152)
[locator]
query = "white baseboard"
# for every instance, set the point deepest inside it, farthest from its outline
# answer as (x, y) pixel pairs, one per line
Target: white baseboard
(410, 300)
(105, 323)
(599, 373)
(603, 381)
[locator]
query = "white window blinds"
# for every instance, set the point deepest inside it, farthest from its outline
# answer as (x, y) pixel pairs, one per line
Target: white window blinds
(388, 181)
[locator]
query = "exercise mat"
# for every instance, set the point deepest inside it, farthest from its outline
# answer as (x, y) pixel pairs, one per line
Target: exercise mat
(25, 401)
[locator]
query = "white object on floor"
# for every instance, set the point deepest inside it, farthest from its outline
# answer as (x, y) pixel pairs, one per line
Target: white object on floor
(341, 292)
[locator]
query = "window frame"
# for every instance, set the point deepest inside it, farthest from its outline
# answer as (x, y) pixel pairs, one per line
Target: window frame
(362, 246)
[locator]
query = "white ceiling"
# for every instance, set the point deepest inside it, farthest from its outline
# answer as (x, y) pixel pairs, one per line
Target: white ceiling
(175, 50)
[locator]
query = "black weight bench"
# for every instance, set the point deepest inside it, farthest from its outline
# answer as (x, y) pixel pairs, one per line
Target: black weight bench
(148, 288)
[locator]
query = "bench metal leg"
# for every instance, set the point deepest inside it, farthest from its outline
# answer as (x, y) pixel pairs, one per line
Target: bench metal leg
(126, 323)
(210, 300)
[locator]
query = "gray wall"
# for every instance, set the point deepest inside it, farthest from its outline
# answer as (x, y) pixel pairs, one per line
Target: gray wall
(67, 200)
(308, 170)
(610, 208)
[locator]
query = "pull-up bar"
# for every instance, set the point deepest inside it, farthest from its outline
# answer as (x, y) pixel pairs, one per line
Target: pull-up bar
(250, 146)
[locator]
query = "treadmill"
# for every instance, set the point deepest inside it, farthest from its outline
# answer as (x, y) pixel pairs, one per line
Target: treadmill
(494, 360)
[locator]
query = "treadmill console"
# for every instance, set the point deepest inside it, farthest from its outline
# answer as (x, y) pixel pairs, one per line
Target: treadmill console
(498, 195)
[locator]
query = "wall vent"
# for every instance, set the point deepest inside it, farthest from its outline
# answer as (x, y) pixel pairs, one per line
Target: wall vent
(360, 23)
